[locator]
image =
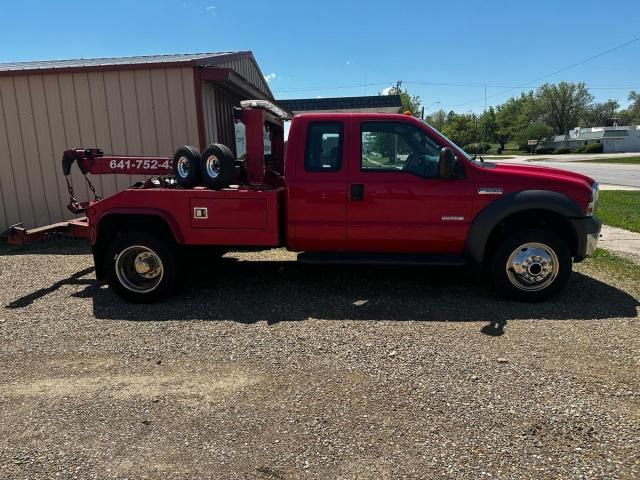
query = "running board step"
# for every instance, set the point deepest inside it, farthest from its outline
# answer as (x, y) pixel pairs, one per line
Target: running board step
(348, 258)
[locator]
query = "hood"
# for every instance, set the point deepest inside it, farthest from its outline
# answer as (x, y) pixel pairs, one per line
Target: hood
(543, 173)
(517, 177)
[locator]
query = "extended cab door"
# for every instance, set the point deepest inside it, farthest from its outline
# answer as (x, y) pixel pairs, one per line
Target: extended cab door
(318, 191)
(396, 200)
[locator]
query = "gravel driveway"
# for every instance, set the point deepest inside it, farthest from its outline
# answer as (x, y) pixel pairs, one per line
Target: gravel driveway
(273, 370)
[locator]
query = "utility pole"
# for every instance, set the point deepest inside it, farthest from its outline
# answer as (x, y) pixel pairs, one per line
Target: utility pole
(395, 137)
(484, 129)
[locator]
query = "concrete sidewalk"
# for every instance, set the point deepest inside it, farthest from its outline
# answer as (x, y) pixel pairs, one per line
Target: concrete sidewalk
(567, 157)
(620, 241)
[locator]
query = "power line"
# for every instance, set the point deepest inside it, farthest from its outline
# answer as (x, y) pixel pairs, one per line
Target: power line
(508, 88)
(460, 85)
(573, 65)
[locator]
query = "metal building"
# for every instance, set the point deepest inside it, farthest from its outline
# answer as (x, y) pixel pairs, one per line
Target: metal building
(130, 105)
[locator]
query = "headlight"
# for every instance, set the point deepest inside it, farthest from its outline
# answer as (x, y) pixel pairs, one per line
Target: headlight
(593, 203)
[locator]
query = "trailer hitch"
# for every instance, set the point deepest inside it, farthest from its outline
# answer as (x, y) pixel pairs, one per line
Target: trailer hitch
(77, 228)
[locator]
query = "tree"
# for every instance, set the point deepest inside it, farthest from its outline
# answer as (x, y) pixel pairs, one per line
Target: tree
(562, 105)
(600, 114)
(513, 116)
(437, 119)
(634, 98)
(631, 116)
(488, 125)
(461, 128)
(410, 103)
(534, 131)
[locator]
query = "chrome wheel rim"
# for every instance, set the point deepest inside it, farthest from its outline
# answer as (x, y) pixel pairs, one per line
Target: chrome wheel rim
(212, 165)
(139, 269)
(183, 167)
(532, 267)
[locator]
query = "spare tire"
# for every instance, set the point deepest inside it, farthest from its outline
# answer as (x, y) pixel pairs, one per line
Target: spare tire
(218, 166)
(186, 166)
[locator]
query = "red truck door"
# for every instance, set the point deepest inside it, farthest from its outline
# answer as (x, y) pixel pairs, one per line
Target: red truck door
(396, 200)
(318, 192)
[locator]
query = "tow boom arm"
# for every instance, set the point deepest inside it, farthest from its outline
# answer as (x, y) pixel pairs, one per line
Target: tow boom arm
(94, 161)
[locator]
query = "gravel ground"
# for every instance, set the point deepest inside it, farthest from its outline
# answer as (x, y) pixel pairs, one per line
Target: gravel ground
(272, 370)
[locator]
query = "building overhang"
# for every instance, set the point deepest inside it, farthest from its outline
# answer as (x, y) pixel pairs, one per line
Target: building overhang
(365, 104)
(232, 80)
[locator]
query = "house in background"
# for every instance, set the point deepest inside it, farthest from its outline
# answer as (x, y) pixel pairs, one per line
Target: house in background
(613, 139)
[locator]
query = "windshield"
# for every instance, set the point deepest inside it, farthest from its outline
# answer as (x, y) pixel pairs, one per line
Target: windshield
(466, 155)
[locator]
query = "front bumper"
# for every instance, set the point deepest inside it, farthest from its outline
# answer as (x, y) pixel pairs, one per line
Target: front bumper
(588, 233)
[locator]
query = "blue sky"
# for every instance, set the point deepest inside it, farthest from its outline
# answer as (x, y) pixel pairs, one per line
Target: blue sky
(339, 48)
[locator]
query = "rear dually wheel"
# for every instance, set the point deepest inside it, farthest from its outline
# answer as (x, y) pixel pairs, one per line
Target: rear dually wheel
(141, 268)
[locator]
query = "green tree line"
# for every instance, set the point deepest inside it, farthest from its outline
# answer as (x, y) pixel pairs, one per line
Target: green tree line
(551, 109)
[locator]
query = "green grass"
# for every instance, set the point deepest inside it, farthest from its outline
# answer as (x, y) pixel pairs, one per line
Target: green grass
(627, 160)
(618, 267)
(620, 209)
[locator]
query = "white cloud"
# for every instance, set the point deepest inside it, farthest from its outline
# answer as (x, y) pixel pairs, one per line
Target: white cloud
(210, 7)
(387, 91)
(270, 76)
(348, 62)
(319, 96)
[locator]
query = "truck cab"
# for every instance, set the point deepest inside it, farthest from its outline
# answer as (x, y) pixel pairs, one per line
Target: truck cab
(351, 188)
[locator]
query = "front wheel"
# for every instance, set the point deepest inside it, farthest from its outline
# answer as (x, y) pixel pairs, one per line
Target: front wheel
(531, 265)
(140, 267)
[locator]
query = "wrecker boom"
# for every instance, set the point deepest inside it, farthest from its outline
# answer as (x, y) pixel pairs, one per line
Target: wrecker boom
(95, 162)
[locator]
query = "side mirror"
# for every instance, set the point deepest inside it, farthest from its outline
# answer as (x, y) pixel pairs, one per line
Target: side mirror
(447, 164)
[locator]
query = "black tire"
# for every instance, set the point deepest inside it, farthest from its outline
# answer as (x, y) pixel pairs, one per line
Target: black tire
(217, 166)
(186, 166)
(124, 277)
(531, 265)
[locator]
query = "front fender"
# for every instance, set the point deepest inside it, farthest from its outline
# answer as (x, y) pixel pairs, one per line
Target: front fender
(491, 215)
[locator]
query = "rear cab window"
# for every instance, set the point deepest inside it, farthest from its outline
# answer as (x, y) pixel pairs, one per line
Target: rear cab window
(323, 150)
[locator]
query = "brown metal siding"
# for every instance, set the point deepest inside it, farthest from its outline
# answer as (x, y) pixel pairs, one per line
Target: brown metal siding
(131, 112)
(209, 112)
(249, 71)
(225, 101)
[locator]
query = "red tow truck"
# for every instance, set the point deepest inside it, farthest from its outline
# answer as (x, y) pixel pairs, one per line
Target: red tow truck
(345, 188)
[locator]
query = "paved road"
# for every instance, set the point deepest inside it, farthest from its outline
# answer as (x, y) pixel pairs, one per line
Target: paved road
(604, 173)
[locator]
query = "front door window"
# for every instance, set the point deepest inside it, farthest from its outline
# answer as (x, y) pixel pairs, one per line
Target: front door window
(398, 147)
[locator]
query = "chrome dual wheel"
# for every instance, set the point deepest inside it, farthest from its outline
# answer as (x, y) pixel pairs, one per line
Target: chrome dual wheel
(532, 267)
